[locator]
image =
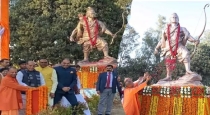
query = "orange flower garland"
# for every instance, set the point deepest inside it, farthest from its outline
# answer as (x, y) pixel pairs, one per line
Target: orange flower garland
(45, 92)
(29, 102)
(89, 75)
(42, 98)
(176, 101)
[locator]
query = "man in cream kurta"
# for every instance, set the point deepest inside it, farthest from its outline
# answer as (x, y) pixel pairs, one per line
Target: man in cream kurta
(50, 77)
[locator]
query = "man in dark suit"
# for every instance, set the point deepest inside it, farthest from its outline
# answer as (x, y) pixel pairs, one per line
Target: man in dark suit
(106, 88)
(67, 79)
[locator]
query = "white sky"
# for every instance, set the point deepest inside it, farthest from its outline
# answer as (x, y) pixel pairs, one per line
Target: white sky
(144, 15)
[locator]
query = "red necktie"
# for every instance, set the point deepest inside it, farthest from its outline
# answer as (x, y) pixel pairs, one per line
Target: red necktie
(108, 79)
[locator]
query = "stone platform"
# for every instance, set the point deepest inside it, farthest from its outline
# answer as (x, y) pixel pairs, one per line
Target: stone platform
(192, 79)
(102, 62)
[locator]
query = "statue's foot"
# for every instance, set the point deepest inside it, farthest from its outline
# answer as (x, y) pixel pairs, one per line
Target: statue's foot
(166, 79)
(107, 57)
(189, 72)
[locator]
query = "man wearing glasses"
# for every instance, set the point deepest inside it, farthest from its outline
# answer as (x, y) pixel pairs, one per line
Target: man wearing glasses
(29, 77)
(50, 78)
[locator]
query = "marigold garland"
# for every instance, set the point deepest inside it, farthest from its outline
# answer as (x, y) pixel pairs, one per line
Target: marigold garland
(42, 99)
(175, 101)
(45, 97)
(29, 102)
(201, 106)
(171, 107)
(154, 105)
(207, 103)
(89, 75)
(177, 110)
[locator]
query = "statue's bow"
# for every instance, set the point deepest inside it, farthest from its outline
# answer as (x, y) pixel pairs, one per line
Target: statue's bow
(195, 48)
(123, 17)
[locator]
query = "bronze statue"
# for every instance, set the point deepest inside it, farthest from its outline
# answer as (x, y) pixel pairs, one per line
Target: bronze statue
(173, 47)
(87, 33)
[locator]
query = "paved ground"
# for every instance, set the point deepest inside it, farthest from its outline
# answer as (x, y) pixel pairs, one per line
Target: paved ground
(117, 109)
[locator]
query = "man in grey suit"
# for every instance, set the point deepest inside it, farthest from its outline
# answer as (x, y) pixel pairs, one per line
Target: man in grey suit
(106, 88)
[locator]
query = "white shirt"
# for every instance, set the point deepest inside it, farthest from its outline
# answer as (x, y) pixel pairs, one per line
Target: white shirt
(19, 78)
(2, 31)
(78, 83)
(111, 79)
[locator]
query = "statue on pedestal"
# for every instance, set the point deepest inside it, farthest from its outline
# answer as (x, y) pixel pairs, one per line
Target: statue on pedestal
(173, 49)
(87, 33)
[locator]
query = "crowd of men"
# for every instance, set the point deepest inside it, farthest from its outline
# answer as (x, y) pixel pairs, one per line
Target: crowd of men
(63, 86)
(62, 82)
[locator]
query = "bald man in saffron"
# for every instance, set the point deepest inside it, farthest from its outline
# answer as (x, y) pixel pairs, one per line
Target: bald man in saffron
(10, 92)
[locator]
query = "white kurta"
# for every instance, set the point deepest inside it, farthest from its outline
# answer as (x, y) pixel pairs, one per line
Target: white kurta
(80, 98)
(2, 31)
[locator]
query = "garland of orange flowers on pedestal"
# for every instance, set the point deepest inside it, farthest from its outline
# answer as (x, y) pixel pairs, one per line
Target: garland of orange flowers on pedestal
(89, 75)
(29, 102)
(42, 100)
(175, 100)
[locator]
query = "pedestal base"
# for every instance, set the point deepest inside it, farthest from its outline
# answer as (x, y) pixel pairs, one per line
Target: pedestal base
(102, 62)
(192, 79)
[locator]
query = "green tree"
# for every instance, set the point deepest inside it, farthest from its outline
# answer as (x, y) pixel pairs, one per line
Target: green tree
(147, 61)
(206, 38)
(39, 28)
(151, 39)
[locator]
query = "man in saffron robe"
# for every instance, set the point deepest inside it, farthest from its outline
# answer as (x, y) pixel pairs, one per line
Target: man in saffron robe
(10, 92)
(130, 102)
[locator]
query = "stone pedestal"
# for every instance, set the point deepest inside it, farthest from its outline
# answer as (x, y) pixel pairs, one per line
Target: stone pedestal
(102, 62)
(192, 79)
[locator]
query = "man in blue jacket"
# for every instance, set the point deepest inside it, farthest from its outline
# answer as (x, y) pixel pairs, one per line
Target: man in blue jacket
(106, 88)
(67, 79)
